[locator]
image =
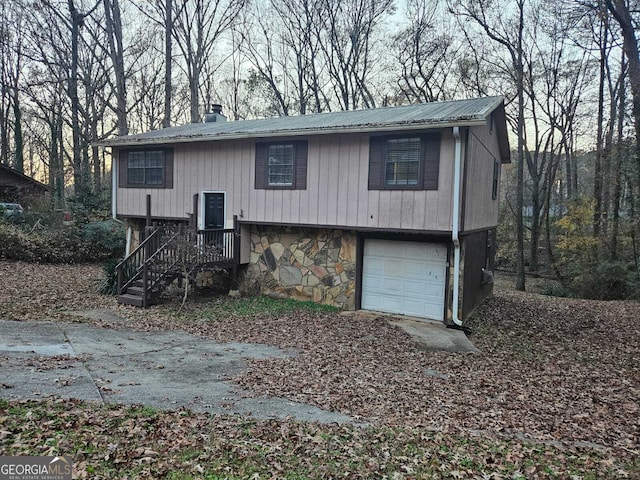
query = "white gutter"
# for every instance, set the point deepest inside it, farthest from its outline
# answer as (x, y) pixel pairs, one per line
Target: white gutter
(114, 186)
(455, 224)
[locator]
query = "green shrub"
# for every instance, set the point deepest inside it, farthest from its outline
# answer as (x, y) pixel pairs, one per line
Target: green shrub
(106, 239)
(602, 280)
(62, 245)
(555, 290)
(109, 283)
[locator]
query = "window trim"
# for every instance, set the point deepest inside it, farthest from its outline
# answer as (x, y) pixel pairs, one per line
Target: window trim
(285, 146)
(386, 162)
(167, 168)
(428, 170)
(299, 167)
(495, 182)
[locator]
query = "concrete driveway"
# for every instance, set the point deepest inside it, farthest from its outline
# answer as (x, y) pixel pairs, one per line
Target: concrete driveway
(163, 369)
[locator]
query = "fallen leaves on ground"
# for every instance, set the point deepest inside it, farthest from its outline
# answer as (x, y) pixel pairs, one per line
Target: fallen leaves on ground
(116, 442)
(558, 373)
(32, 291)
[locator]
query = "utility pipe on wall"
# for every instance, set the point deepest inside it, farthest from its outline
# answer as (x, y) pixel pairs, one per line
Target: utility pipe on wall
(114, 186)
(455, 224)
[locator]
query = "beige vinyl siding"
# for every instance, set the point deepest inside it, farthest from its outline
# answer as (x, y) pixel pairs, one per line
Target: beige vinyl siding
(337, 187)
(480, 210)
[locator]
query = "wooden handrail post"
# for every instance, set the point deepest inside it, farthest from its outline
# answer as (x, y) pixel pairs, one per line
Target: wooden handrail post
(195, 212)
(148, 211)
(145, 274)
(236, 249)
(119, 290)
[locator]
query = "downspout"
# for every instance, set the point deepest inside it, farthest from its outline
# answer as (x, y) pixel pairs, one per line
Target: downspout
(455, 224)
(114, 186)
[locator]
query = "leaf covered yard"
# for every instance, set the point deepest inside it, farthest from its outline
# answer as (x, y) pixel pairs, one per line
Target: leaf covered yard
(554, 394)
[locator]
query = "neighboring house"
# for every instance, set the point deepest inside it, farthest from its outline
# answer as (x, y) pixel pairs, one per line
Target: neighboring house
(15, 186)
(388, 209)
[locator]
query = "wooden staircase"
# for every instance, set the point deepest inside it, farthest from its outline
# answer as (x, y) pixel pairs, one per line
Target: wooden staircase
(136, 292)
(166, 253)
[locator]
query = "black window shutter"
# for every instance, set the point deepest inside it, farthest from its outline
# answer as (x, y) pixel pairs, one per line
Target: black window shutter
(376, 162)
(122, 169)
(262, 152)
(301, 153)
(168, 169)
(431, 169)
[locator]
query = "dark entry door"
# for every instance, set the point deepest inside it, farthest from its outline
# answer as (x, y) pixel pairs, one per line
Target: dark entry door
(213, 210)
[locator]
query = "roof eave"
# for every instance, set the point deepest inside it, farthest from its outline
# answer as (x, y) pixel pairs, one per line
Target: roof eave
(27, 178)
(503, 137)
(116, 142)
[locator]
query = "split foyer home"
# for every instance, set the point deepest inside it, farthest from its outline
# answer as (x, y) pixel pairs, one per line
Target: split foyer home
(387, 209)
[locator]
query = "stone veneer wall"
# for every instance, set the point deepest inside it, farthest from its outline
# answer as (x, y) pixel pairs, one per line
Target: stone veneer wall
(304, 263)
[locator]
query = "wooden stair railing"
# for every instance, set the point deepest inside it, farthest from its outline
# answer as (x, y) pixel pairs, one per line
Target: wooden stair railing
(166, 253)
(142, 271)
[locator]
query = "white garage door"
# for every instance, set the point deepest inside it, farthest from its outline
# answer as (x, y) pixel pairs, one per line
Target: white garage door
(404, 277)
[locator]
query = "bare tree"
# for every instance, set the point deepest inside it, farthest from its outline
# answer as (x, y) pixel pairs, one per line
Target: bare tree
(349, 50)
(168, 61)
(113, 26)
(623, 14)
(555, 73)
(74, 22)
(11, 67)
(5, 105)
(505, 27)
(426, 51)
(281, 39)
(232, 88)
(197, 27)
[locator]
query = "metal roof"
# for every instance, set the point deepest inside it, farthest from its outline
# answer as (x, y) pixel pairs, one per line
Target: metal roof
(417, 116)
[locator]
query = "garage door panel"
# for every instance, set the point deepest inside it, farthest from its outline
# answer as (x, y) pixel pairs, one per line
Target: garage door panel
(376, 266)
(393, 268)
(372, 285)
(415, 269)
(404, 277)
(414, 309)
(393, 285)
(413, 288)
(438, 254)
(436, 273)
(435, 292)
(433, 311)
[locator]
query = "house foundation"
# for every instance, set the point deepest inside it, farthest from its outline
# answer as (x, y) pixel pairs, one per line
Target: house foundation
(313, 264)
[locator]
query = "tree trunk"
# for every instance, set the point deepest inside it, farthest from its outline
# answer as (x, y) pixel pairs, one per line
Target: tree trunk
(59, 193)
(95, 153)
(535, 225)
(113, 25)
(622, 14)
(519, 67)
(18, 163)
(78, 178)
(597, 172)
(194, 93)
(568, 169)
(53, 156)
(617, 182)
(168, 60)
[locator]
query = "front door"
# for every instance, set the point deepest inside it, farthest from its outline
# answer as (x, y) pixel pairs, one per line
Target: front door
(214, 210)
